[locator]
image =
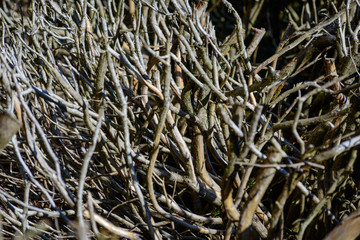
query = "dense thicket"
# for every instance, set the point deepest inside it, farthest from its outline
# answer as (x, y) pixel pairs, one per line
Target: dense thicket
(177, 119)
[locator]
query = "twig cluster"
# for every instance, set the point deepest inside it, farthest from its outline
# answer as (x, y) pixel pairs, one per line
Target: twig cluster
(144, 120)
